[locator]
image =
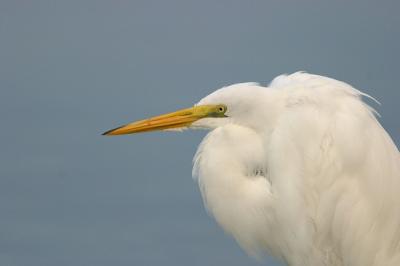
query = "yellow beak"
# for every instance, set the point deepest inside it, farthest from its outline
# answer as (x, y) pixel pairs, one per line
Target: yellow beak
(177, 119)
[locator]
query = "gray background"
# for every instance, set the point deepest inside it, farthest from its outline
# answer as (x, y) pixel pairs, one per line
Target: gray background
(70, 70)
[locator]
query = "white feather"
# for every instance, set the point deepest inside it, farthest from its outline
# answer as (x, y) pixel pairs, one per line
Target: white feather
(303, 170)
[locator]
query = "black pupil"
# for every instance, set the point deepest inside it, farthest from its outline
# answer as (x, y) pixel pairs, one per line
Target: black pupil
(221, 109)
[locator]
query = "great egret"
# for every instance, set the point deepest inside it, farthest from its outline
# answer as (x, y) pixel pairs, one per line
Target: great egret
(300, 169)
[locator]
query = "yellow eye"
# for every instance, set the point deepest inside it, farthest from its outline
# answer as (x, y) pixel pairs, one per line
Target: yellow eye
(221, 109)
(217, 110)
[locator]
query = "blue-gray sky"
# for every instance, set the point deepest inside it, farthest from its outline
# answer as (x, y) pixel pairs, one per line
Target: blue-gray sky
(70, 70)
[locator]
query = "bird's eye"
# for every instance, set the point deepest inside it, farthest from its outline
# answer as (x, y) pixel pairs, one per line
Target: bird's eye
(221, 109)
(218, 110)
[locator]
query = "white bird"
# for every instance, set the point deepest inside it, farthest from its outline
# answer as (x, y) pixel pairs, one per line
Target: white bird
(300, 169)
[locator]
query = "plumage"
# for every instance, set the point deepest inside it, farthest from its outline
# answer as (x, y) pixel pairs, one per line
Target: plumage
(329, 192)
(300, 169)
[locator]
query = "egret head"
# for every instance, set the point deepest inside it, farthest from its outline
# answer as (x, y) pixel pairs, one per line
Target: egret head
(233, 104)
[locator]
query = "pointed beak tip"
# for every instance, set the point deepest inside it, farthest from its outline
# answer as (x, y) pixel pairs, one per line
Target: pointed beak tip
(110, 132)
